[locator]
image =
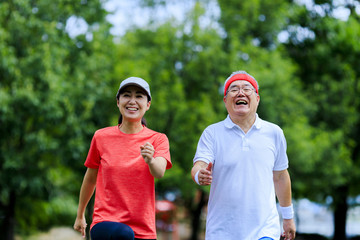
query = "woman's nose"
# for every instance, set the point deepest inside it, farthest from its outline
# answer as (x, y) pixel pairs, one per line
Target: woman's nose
(132, 100)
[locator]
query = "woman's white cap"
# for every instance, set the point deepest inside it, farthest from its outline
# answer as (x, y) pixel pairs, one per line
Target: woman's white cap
(135, 81)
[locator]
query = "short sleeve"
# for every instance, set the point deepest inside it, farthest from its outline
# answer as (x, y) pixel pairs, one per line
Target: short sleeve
(162, 149)
(93, 157)
(281, 161)
(205, 150)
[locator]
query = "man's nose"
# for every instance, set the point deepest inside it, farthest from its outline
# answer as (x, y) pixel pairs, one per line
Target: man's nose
(241, 92)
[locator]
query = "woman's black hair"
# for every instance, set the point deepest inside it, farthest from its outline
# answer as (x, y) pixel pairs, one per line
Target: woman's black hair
(143, 120)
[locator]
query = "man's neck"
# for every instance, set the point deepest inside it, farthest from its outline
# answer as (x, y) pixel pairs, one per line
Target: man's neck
(244, 122)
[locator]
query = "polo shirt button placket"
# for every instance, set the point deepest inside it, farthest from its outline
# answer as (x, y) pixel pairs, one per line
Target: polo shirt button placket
(245, 143)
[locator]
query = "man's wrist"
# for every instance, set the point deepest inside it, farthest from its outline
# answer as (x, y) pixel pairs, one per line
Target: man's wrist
(287, 212)
(196, 177)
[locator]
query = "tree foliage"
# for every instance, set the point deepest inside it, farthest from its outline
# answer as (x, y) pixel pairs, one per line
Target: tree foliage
(330, 72)
(50, 92)
(185, 70)
(55, 91)
(331, 79)
(187, 64)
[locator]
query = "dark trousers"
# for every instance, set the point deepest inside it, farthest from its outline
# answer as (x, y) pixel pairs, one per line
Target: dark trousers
(112, 231)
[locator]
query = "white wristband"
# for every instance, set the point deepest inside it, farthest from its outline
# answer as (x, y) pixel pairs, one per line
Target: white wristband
(287, 212)
(197, 177)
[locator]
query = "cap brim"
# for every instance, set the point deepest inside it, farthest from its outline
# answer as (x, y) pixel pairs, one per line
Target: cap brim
(133, 84)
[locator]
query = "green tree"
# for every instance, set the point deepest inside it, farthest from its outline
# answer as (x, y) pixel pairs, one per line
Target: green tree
(186, 65)
(329, 69)
(53, 94)
(256, 21)
(323, 144)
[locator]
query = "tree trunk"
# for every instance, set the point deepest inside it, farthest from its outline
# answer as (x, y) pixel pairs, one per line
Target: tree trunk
(8, 224)
(196, 214)
(340, 212)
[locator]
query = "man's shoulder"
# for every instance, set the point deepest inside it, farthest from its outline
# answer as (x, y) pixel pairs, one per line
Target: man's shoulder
(268, 123)
(216, 126)
(270, 126)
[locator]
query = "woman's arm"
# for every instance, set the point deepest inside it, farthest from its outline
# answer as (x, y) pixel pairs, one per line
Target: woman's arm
(157, 166)
(86, 191)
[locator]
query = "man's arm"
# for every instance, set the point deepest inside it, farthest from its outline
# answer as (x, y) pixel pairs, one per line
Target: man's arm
(203, 171)
(282, 185)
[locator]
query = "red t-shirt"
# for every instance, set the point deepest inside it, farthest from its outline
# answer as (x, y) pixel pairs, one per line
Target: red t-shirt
(125, 188)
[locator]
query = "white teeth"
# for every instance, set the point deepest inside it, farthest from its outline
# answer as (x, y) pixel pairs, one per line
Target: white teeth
(132, 109)
(241, 102)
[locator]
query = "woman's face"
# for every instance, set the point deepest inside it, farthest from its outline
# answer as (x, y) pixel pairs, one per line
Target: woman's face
(133, 103)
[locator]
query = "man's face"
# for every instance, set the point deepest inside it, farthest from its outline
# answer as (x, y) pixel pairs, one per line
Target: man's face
(241, 99)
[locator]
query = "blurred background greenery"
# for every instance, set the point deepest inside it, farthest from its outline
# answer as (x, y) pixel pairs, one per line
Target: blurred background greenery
(58, 84)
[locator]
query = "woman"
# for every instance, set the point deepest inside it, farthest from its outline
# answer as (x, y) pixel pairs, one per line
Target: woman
(122, 163)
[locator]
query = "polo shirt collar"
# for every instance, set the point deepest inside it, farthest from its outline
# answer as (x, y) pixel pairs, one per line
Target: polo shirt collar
(230, 124)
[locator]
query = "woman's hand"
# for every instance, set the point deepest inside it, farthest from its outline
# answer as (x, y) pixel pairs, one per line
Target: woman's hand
(157, 166)
(80, 226)
(147, 152)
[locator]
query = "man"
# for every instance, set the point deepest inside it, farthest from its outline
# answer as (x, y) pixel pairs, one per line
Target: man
(244, 159)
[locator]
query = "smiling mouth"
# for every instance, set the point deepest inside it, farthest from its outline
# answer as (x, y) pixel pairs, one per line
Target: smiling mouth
(131, 108)
(241, 102)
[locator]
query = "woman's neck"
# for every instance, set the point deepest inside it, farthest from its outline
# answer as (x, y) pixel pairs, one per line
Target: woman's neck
(130, 127)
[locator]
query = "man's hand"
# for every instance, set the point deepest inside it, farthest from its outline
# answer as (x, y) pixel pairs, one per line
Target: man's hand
(289, 229)
(205, 175)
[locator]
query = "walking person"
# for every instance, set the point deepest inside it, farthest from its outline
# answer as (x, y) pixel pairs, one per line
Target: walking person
(122, 163)
(244, 160)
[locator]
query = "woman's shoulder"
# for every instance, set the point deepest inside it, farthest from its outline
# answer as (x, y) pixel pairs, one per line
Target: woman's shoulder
(153, 133)
(150, 131)
(106, 131)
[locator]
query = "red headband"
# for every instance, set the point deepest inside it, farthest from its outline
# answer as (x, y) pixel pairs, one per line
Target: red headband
(243, 77)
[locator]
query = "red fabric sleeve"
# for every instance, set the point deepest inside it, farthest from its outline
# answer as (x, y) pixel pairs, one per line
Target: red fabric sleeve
(93, 157)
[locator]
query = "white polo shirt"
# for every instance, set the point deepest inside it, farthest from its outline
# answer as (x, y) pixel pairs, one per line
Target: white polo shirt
(242, 203)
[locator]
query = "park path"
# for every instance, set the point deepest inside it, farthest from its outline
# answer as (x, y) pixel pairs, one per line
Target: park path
(67, 233)
(56, 233)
